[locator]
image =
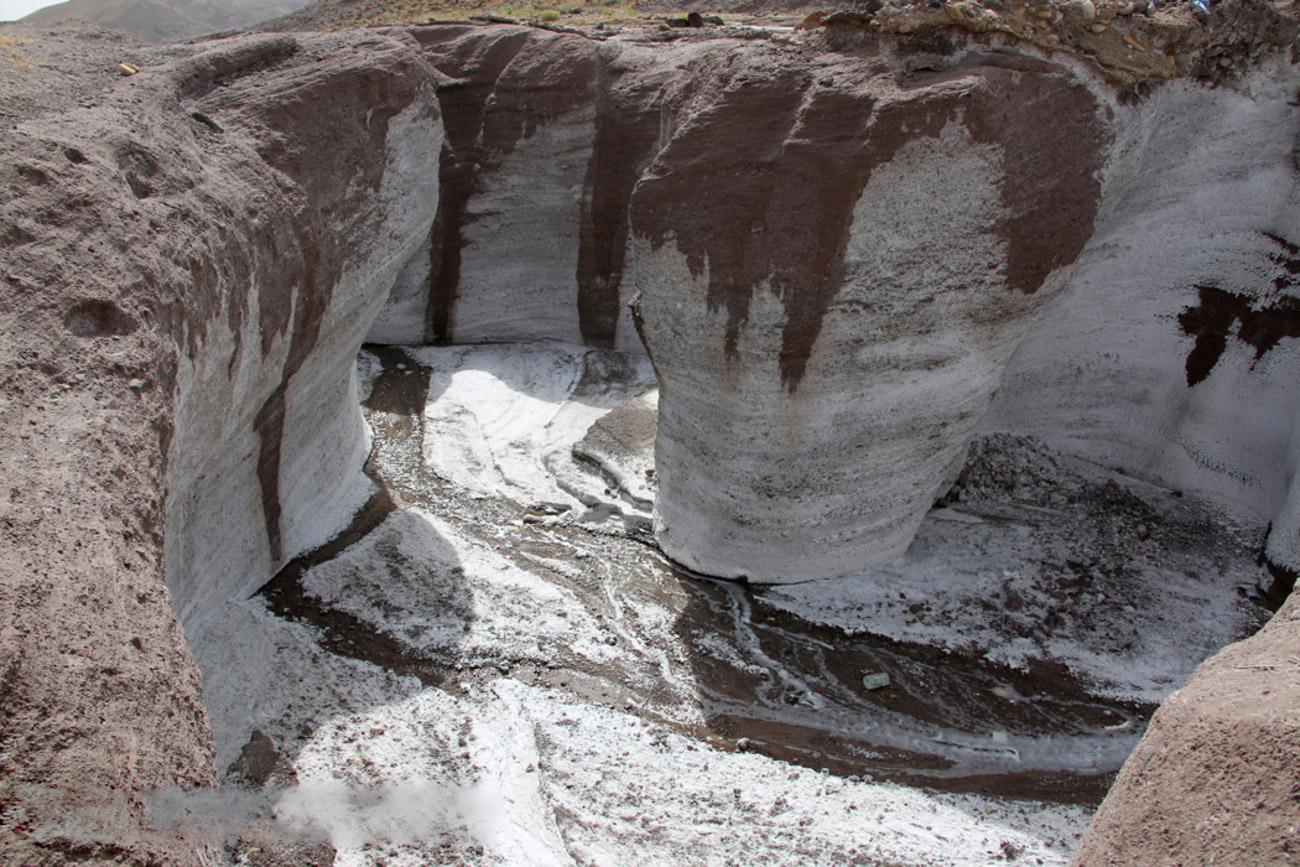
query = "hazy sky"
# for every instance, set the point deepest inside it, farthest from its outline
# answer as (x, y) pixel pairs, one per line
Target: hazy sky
(13, 9)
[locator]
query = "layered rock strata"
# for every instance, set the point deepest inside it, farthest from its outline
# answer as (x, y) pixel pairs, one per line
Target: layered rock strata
(183, 299)
(835, 255)
(624, 154)
(268, 427)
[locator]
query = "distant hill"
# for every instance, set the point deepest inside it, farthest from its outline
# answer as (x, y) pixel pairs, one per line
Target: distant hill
(334, 14)
(166, 20)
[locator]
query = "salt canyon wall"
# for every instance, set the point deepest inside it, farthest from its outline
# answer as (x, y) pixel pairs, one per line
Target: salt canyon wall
(1167, 351)
(184, 300)
(1172, 352)
(775, 216)
(268, 428)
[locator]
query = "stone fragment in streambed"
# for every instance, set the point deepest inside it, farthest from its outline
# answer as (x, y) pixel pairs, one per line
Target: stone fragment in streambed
(261, 765)
(829, 324)
(619, 447)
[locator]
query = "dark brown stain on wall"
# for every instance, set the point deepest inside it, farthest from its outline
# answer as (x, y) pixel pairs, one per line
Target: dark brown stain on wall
(1052, 144)
(761, 185)
(1260, 322)
(504, 84)
(626, 136)
(463, 102)
(716, 192)
(269, 425)
(1211, 322)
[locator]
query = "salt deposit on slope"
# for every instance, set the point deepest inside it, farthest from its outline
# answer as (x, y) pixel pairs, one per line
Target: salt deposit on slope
(579, 700)
(1040, 556)
(503, 773)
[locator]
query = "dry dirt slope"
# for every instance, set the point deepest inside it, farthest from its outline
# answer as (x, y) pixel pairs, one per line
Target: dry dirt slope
(164, 20)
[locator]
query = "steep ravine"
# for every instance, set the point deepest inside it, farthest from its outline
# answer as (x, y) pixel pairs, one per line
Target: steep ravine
(839, 256)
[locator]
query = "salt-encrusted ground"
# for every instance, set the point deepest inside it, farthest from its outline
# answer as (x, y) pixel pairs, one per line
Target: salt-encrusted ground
(1039, 556)
(496, 667)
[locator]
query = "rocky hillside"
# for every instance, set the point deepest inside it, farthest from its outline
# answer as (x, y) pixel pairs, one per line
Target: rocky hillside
(165, 20)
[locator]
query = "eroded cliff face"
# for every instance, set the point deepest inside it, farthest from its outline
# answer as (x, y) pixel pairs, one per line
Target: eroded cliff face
(1172, 351)
(806, 334)
(779, 212)
(1171, 354)
(269, 442)
(782, 226)
(835, 251)
(183, 304)
(777, 216)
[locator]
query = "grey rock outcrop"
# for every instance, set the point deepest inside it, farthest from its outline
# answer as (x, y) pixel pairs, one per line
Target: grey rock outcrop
(1213, 780)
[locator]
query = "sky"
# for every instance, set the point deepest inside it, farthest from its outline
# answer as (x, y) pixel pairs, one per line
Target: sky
(11, 10)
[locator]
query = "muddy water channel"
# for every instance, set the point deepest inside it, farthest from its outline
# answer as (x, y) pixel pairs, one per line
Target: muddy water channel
(488, 551)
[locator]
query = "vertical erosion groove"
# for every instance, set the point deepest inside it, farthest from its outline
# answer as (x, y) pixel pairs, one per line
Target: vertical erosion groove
(455, 183)
(624, 143)
(269, 425)
(464, 107)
